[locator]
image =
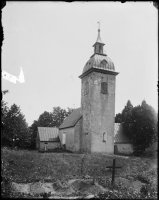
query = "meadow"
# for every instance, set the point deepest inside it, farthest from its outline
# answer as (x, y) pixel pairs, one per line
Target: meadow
(24, 166)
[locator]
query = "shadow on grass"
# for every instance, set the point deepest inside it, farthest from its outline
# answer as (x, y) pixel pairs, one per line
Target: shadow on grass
(56, 150)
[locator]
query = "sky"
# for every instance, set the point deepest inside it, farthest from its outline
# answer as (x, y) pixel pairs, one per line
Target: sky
(52, 41)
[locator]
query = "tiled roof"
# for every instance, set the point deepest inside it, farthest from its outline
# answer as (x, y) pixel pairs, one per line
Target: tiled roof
(119, 134)
(96, 61)
(48, 133)
(72, 119)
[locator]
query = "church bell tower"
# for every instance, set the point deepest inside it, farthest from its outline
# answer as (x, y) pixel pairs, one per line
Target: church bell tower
(98, 101)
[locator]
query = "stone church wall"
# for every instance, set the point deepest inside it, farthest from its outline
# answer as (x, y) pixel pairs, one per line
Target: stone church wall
(103, 112)
(77, 136)
(98, 113)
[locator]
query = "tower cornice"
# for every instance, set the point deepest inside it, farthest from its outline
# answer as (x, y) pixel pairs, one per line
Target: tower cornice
(99, 71)
(102, 54)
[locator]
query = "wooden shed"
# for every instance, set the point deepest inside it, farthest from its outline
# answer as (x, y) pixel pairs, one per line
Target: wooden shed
(47, 138)
(122, 143)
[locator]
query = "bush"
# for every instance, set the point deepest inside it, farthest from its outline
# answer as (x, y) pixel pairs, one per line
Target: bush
(143, 178)
(6, 187)
(122, 192)
(151, 152)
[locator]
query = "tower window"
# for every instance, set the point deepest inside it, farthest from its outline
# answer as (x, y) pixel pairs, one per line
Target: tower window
(86, 89)
(100, 49)
(104, 88)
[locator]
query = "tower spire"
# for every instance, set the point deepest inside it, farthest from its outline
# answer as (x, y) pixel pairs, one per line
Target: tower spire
(98, 37)
(98, 46)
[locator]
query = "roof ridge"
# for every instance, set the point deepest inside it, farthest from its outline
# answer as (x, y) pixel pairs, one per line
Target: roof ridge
(72, 119)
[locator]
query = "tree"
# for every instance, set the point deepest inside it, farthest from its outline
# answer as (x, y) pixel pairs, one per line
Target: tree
(16, 128)
(60, 114)
(4, 92)
(125, 115)
(46, 120)
(33, 131)
(4, 111)
(126, 112)
(141, 126)
(118, 118)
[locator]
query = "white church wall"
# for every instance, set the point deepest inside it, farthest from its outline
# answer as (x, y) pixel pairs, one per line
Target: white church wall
(121, 148)
(69, 134)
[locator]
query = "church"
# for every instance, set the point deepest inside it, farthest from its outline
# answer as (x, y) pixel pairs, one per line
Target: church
(91, 127)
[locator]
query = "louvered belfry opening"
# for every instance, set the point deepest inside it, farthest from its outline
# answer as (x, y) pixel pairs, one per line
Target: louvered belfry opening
(104, 88)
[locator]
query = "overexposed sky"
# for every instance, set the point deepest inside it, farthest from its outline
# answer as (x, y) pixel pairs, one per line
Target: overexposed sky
(52, 41)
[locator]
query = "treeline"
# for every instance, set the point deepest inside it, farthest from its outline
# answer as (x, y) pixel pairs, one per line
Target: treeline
(16, 132)
(14, 128)
(140, 123)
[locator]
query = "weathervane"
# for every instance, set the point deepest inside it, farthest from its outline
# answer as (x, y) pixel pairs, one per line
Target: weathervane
(99, 25)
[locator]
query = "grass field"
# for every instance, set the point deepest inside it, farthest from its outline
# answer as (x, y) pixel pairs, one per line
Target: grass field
(23, 166)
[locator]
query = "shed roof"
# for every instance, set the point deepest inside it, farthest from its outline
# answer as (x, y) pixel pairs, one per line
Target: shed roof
(119, 134)
(72, 119)
(48, 133)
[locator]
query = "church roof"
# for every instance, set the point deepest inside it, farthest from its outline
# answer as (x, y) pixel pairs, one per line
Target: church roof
(100, 62)
(72, 119)
(119, 134)
(48, 133)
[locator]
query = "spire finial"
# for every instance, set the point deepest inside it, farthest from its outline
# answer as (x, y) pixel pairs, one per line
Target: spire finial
(98, 37)
(98, 26)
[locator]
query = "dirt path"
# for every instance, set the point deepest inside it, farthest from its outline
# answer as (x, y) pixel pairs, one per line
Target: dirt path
(74, 188)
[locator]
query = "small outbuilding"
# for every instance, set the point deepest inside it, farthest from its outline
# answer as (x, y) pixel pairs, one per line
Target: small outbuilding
(47, 138)
(122, 143)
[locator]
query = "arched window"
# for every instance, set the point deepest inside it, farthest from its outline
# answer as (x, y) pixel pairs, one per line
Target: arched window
(104, 88)
(86, 88)
(104, 137)
(104, 64)
(64, 138)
